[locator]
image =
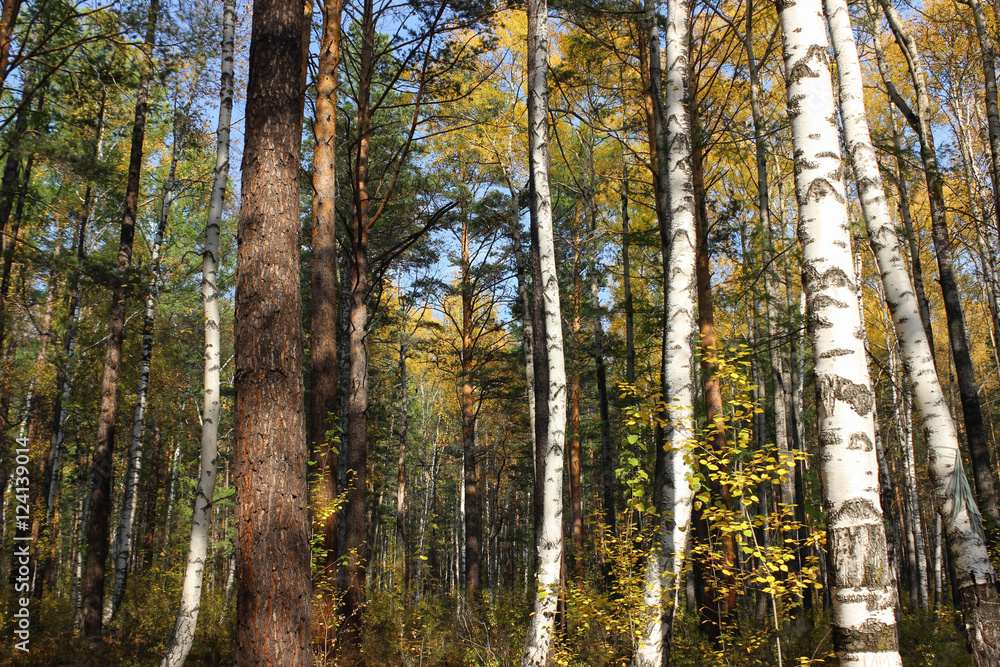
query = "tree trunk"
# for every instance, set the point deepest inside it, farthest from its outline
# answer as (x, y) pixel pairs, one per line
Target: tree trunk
(8, 18)
(101, 471)
(574, 554)
(968, 389)
(522, 269)
(549, 540)
(607, 449)
(272, 524)
(470, 487)
(990, 91)
(911, 237)
(861, 582)
(130, 500)
(680, 303)
(980, 602)
(402, 529)
(627, 286)
(324, 382)
(355, 519)
(187, 616)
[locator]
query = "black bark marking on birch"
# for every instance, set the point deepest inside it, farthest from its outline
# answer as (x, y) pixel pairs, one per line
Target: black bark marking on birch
(833, 388)
(861, 441)
(865, 534)
(870, 637)
(830, 437)
(836, 352)
(832, 277)
(820, 188)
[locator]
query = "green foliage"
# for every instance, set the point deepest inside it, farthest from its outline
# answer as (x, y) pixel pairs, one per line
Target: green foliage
(138, 635)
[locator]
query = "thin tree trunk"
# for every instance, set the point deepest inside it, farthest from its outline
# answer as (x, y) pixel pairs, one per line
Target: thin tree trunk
(187, 616)
(864, 633)
(470, 488)
(964, 369)
(980, 601)
(130, 499)
(538, 643)
(152, 499)
(355, 543)
(680, 304)
(324, 395)
(912, 504)
(101, 471)
(272, 523)
(629, 306)
(607, 449)
(990, 93)
(402, 529)
(574, 554)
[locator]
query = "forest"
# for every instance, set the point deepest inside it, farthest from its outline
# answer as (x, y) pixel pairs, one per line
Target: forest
(396, 332)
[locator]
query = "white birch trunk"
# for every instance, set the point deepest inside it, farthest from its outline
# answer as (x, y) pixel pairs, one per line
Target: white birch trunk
(678, 363)
(549, 541)
(953, 498)
(862, 589)
(187, 615)
(130, 498)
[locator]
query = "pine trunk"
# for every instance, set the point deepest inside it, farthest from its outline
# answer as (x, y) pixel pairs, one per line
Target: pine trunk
(324, 382)
(272, 525)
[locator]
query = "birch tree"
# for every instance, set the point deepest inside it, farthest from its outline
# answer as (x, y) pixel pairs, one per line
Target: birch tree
(101, 470)
(862, 588)
(129, 506)
(674, 501)
(549, 540)
(968, 388)
(975, 578)
(187, 616)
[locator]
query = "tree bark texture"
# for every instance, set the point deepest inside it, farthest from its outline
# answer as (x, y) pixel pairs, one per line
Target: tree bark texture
(967, 547)
(324, 382)
(549, 539)
(272, 525)
(862, 587)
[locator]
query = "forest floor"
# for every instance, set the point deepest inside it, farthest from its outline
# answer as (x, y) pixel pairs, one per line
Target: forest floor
(434, 633)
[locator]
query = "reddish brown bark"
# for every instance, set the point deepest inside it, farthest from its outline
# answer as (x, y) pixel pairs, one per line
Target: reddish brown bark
(11, 8)
(272, 527)
(575, 551)
(472, 518)
(325, 401)
(714, 610)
